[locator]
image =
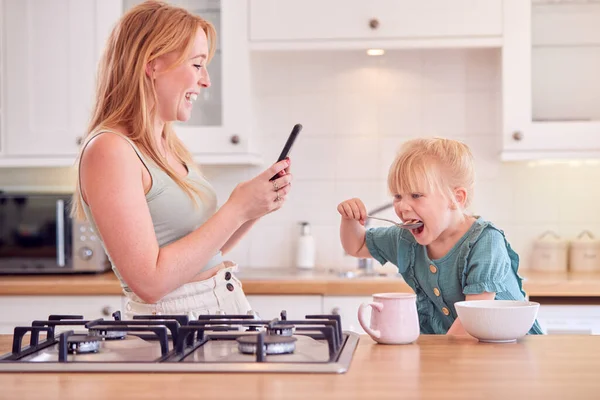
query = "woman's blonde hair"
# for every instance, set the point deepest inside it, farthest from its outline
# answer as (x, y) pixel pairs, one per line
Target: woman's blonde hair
(433, 165)
(146, 32)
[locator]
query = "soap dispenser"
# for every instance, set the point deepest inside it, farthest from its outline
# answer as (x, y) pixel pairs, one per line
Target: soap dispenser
(305, 251)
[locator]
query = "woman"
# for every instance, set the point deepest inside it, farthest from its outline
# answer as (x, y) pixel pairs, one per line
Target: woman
(137, 184)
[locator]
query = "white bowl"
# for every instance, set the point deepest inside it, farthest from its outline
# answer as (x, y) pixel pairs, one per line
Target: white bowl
(497, 320)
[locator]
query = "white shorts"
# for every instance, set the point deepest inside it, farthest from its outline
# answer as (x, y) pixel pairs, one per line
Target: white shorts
(220, 294)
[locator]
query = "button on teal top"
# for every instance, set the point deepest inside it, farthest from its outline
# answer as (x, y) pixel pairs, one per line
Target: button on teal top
(481, 261)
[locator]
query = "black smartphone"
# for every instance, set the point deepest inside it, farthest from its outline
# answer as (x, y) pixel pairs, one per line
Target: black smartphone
(288, 144)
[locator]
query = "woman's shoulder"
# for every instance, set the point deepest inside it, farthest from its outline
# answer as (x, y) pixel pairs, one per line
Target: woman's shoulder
(108, 146)
(109, 155)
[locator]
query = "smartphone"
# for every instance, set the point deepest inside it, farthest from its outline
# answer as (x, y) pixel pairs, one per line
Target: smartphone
(288, 144)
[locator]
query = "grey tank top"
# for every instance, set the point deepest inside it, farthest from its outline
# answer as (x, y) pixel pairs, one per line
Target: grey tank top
(173, 213)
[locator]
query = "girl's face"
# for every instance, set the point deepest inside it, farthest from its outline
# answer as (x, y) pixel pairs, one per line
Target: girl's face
(178, 87)
(433, 209)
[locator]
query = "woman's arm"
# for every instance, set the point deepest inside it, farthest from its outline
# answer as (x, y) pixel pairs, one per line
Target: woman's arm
(112, 185)
(238, 235)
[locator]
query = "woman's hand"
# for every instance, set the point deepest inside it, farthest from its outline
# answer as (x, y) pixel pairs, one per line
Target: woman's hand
(260, 195)
(353, 209)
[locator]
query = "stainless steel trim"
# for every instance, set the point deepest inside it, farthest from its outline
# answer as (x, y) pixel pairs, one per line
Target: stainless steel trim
(60, 233)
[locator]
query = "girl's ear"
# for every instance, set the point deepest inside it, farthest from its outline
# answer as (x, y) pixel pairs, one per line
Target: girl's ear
(460, 198)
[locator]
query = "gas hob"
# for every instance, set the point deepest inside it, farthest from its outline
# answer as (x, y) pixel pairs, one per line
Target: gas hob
(174, 343)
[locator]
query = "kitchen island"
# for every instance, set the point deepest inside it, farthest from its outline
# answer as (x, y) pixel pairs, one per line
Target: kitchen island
(435, 367)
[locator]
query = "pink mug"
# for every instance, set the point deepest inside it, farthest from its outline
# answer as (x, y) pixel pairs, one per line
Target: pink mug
(394, 318)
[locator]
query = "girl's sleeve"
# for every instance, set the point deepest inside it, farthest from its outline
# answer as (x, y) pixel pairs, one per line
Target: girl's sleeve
(388, 244)
(488, 264)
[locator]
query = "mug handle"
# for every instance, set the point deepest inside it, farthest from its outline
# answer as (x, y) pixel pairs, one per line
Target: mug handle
(362, 318)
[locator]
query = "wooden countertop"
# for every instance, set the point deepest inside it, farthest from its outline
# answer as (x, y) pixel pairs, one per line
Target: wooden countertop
(436, 367)
(282, 281)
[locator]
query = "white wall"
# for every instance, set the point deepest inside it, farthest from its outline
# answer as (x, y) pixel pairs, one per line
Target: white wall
(356, 110)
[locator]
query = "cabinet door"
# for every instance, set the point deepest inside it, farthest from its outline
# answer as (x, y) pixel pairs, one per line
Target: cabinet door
(22, 310)
(52, 48)
(287, 20)
(347, 308)
(551, 55)
(297, 307)
(570, 319)
(220, 122)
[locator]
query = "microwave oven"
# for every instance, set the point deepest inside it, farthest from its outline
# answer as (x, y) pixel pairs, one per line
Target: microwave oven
(38, 236)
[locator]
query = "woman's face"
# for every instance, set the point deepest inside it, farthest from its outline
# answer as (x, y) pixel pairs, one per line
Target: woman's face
(178, 87)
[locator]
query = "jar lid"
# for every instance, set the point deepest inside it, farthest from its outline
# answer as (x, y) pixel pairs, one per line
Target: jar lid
(550, 239)
(585, 239)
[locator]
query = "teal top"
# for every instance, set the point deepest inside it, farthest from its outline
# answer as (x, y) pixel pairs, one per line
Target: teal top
(481, 261)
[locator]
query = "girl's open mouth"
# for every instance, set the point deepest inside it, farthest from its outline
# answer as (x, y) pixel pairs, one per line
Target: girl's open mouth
(418, 230)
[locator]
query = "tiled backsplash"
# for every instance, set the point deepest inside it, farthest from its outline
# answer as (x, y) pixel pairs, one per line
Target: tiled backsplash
(356, 111)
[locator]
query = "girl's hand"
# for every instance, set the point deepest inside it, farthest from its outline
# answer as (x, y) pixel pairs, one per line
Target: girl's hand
(260, 196)
(353, 209)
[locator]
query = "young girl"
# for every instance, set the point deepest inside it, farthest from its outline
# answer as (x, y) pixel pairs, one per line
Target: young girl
(454, 256)
(137, 184)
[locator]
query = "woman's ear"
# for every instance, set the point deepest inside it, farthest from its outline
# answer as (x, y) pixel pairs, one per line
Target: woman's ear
(150, 68)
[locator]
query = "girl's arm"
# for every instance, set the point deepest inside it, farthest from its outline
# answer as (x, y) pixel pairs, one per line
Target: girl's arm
(457, 329)
(352, 230)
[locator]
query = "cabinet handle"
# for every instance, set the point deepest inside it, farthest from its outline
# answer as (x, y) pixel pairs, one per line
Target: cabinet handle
(106, 311)
(235, 139)
(374, 23)
(79, 140)
(518, 136)
(335, 311)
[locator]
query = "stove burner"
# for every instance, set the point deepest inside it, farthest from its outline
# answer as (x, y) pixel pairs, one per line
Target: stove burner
(107, 335)
(82, 344)
(274, 344)
(281, 330)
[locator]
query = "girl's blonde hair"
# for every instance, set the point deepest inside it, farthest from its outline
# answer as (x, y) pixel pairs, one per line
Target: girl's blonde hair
(433, 165)
(146, 32)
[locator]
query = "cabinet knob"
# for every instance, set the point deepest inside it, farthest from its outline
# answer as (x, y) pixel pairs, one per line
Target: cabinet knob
(518, 136)
(79, 140)
(106, 311)
(374, 23)
(235, 139)
(335, 311)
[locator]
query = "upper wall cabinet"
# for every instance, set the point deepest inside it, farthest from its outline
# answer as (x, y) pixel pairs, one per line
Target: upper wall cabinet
(551, 90)
(358, 24)
(219, 131)
(50, 56)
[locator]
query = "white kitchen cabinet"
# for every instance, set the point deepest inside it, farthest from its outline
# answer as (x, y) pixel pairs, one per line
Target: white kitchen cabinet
(550, 61)
(347, 308)
(296, 306)
(50, 53)
(50, 58)
(219, 131)
(22, 310)
(336, 24)
(558, 319)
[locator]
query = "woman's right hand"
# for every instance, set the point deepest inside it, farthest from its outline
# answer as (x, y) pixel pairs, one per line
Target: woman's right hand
(260, 195)
(353, 209)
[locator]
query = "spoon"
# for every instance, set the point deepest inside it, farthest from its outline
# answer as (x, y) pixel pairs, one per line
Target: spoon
(400, 224)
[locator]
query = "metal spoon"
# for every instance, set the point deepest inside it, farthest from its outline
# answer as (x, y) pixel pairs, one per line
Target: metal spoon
(399, 224)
